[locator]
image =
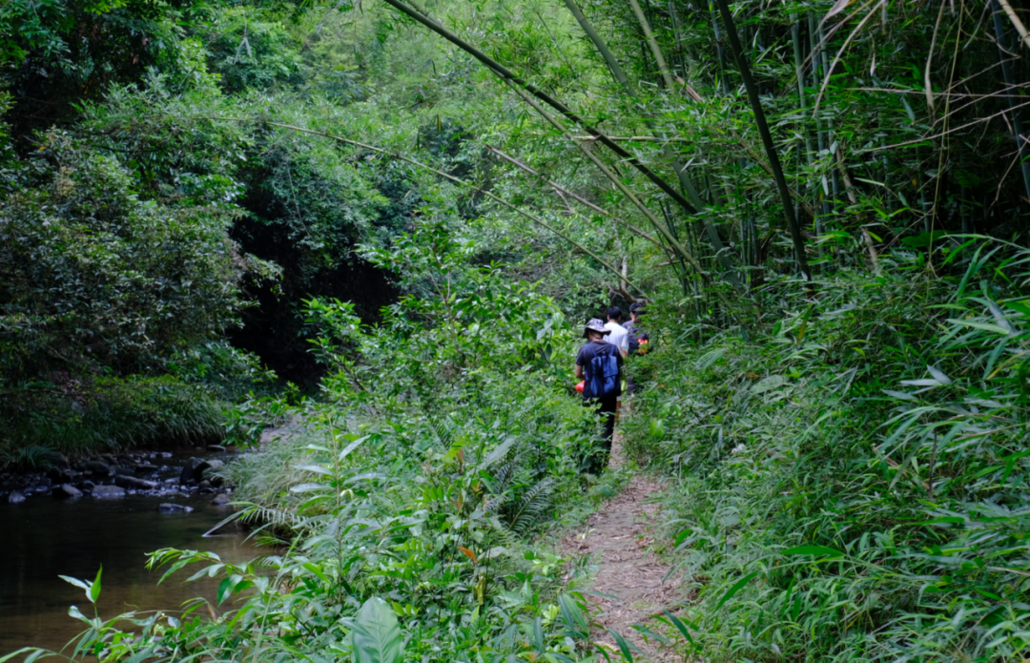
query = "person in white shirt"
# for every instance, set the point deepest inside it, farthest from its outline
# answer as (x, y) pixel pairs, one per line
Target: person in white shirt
(618, 336)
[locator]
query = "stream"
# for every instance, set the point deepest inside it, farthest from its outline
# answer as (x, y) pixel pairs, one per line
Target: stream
(44, 537)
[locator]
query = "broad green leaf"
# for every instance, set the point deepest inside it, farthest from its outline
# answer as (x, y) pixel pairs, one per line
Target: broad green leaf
(81, 584)
(77, 614)
(768, 383)
(308, 487)
(1021, 307)
(94, 589)
(317, 469)
(573, 616)
(624, 646)
(986, 326)
(377, 636)
(900, 395)
(681, 626)
(23, 650)
(352, 446)
(939, 375)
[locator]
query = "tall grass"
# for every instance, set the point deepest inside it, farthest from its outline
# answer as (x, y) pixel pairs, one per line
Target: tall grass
(853, 485)
(101, 414)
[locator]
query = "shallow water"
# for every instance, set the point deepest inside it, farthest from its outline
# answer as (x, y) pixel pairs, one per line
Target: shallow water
(44, 537)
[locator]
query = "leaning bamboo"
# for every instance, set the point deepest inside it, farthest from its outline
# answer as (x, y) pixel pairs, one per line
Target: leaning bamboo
(505, 74)
(1006, 72)
(681, 172)
(763, 131)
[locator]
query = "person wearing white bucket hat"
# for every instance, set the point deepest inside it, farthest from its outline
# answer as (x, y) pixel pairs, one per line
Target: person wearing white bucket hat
(599, 365)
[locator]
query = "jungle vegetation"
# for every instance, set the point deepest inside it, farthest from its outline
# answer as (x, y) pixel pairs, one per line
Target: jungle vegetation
(408, 208)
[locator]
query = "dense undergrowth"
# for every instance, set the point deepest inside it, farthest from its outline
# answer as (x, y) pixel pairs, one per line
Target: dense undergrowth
(86, 414)
(853, 485)
(408, 501)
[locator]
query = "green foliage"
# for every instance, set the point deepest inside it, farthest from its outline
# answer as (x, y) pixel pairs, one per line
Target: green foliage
(376, 635)
(248, 50)
(30, 458)
(93, 276)
(409, 495)
(851, 485)
(92, 414)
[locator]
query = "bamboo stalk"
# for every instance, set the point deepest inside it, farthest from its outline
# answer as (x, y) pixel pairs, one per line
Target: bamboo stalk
(1020, 28)
(874, 263)
(656, 52)
(720, 52)
(808, 157)
(1006, 72)
(763, 130)
(680, 170)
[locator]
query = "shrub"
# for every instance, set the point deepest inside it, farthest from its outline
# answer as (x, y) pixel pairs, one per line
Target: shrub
(94, 277)
(90, 414)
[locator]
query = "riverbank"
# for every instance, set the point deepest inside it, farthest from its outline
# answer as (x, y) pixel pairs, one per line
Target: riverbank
(88, 414)
(183, 472)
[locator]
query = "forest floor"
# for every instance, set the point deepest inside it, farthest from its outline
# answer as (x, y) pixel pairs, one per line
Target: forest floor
(630, 586)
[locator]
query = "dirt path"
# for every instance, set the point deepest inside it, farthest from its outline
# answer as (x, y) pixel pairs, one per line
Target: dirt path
(617, 538)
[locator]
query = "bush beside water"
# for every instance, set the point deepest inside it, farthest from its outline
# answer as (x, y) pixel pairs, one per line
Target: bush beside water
(101, 414)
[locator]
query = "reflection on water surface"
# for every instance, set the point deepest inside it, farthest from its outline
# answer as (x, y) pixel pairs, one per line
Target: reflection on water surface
(44, 537)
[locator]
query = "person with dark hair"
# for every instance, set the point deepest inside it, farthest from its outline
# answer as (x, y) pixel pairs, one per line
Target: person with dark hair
(618, 336)
(637, 340)
(599, 365)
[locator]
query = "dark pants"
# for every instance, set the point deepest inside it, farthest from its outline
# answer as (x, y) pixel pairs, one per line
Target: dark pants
(604, 407)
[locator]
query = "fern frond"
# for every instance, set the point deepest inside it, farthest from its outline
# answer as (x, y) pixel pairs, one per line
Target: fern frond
(531, 508)
(276, 519)
(507, 537)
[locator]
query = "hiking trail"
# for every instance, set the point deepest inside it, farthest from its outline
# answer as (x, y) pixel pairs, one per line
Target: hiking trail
(617, 537)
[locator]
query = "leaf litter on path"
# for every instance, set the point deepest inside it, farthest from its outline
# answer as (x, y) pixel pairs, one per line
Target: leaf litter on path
(630, 586)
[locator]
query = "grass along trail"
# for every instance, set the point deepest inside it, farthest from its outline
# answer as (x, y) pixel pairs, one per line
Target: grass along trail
(630, 585)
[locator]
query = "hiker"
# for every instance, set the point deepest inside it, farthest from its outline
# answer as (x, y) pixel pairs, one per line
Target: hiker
(618, 337)
(599, 365)
(638, 340)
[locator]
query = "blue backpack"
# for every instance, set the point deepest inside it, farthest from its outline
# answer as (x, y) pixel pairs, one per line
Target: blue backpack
(604, 374)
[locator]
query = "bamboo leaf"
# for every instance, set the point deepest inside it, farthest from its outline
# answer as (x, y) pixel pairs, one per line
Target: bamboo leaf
(624, 646)
(317, 469)
(737, 586)
(94, 589)
(681, 626)
(986, 326)
(814, 550)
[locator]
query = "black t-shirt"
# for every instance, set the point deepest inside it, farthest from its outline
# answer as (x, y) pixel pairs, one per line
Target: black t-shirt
(592, 349)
